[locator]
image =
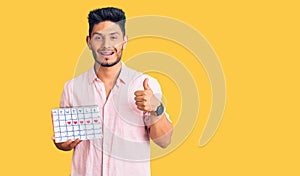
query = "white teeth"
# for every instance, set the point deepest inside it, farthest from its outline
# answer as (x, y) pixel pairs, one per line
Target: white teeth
(107, 53)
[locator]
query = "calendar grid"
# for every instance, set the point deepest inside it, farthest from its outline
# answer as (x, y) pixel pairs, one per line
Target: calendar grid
(82, 122)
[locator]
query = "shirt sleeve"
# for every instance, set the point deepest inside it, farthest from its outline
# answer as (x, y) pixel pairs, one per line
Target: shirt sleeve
(65, 101)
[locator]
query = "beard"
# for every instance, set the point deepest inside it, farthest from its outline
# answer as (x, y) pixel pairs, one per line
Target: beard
(109, 64)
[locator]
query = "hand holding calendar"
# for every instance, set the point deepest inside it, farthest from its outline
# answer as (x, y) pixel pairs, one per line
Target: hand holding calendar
(68, 145)
(71, 125)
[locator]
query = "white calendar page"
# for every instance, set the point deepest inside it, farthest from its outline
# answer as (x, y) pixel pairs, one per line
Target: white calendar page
(77, 122)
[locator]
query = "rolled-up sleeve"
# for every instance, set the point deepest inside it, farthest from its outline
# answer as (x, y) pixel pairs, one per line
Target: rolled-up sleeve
(65, 100)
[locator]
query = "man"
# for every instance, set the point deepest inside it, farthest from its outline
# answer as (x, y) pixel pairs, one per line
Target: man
(129, 104)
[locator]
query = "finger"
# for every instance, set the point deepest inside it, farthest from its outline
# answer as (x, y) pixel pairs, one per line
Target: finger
(139, 93)
(143, 93)
(67, 143)
(144, 108)
(75, 143)
(140, 98)
(141, 107)
(141, 103)
(145, 84)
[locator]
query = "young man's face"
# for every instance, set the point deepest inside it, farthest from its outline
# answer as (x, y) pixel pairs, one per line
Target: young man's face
(106, 42)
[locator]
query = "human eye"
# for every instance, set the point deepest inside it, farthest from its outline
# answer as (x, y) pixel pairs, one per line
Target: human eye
(98, 37)
(113, 37)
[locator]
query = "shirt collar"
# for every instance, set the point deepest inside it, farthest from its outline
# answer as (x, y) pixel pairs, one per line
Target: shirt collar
(122, 78)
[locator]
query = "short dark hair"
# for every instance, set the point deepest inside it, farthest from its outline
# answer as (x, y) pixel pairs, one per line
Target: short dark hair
(107, 14)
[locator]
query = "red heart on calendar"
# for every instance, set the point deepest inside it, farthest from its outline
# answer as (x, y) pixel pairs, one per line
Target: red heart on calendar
(69, 122)
(75, 122)
(81, 121)
(88, 121)
(95, 120)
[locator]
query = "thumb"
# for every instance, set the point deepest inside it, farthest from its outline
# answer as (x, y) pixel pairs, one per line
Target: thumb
(145, 84)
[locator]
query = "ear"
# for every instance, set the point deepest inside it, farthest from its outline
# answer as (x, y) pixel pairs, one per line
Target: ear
(125, 41)
(88, 41)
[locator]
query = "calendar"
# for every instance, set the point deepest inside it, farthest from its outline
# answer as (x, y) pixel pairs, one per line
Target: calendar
(82, 122)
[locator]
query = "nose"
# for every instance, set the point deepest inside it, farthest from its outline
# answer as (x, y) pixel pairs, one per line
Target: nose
(106, 43)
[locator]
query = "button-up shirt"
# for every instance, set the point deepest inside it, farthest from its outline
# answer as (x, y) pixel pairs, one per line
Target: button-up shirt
(124, 149)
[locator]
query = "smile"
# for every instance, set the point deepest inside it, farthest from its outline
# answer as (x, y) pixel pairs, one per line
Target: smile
(107, 53)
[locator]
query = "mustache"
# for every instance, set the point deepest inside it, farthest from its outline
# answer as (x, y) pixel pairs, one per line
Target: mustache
(113, 49)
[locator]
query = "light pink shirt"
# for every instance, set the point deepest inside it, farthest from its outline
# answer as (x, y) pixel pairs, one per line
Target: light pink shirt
(124, 149)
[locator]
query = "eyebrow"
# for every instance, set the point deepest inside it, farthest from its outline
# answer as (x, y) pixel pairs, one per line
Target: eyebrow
(112, 33)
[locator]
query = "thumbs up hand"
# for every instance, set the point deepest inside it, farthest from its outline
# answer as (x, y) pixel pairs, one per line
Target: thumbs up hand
(145, 99)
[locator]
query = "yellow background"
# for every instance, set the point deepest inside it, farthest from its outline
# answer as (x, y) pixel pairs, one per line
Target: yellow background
(258, 46)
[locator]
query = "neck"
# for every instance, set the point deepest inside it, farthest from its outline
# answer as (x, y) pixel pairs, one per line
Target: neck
(108, 74)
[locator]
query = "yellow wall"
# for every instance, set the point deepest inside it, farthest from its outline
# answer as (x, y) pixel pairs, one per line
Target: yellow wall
(257, 43)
